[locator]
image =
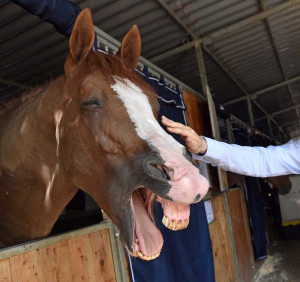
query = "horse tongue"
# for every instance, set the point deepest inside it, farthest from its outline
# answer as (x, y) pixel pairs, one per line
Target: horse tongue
(150, 240)
(176, 216)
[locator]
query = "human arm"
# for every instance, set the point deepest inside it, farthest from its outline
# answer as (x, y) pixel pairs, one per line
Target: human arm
(251, 161)
(61, 13)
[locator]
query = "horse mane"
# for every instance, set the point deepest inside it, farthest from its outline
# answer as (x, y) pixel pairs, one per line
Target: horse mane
(109, 64)
(22, 97)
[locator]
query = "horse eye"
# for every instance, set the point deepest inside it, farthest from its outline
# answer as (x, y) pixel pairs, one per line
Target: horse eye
(93, 102)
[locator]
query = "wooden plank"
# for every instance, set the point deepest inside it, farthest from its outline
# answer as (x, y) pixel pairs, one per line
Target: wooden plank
(5, 275)
(35, 260)
(221, 243)
(197, 114)
(247, 225)
(78, 260)
(17, 265)
(56, 261)
(103, 260)
(26, 267)
(89, 259)
(240, 236)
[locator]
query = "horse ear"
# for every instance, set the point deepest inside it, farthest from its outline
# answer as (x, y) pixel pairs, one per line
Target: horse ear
(130, 49)
(82, 37)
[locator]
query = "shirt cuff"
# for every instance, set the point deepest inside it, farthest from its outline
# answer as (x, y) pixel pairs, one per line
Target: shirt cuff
(209, 151)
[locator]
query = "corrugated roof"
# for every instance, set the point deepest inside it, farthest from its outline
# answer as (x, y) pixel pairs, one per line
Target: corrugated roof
(258, 55)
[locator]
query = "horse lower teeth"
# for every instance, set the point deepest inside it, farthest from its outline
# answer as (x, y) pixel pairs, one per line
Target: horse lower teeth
(140, 255)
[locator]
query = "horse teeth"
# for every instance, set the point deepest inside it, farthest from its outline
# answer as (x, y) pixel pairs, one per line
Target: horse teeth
(179, 225)
(165, 221)
(175, 225)
(172, 225)
(143, 257)
(186, 223)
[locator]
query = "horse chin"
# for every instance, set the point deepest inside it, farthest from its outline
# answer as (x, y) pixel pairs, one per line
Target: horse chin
(147, 239)
(285, 189)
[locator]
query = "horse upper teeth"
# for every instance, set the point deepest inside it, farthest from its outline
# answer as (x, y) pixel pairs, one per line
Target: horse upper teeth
(174, 224)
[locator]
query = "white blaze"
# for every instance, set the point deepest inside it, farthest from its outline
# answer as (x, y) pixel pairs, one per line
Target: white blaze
(185, 180)
(140, 112)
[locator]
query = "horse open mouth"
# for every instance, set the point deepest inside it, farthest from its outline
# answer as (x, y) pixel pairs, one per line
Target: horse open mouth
(148, 240)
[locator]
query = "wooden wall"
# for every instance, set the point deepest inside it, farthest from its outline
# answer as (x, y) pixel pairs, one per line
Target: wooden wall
(221, 242)
(241, 231)
(84, 258)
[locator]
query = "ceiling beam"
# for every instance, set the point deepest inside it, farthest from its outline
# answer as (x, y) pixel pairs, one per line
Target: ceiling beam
(280, 112)
(173, 52)
(241, 88)
(208, 39)
(262, 91)
(277, 56)
(176, 18)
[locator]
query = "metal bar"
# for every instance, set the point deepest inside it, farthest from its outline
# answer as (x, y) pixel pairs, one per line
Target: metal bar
(176, 18)
(212, 109)
(237, 120)
(118, 254)
(275, 122)
(270, 127)
(280, 111)
(250, 112)
(209, 39)
(173, 52)
(249, 106)
(262, 91)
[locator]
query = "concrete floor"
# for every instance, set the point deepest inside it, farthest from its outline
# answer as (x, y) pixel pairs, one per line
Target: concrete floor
(282, 264)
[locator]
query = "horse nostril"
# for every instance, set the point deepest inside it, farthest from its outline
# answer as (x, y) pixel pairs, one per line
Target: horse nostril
(164, 171)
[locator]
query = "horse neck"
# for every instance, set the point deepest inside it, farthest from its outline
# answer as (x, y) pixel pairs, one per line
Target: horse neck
(28, 155)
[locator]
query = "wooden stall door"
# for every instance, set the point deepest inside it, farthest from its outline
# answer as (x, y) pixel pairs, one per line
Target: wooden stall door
(241, 232)
(85, 258)
(221, 242)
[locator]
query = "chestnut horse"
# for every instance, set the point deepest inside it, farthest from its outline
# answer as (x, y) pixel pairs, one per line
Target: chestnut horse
(94, 128)
(281, 183)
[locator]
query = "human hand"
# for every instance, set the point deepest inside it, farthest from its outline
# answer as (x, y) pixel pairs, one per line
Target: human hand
(196, 144)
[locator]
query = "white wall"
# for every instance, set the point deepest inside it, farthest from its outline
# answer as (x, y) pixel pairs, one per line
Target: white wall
(290, 203)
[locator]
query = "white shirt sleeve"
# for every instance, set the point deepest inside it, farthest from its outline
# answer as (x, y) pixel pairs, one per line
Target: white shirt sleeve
(254, 161)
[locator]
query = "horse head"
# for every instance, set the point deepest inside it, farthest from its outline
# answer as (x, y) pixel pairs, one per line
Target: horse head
(281, 183)
(110, 144)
